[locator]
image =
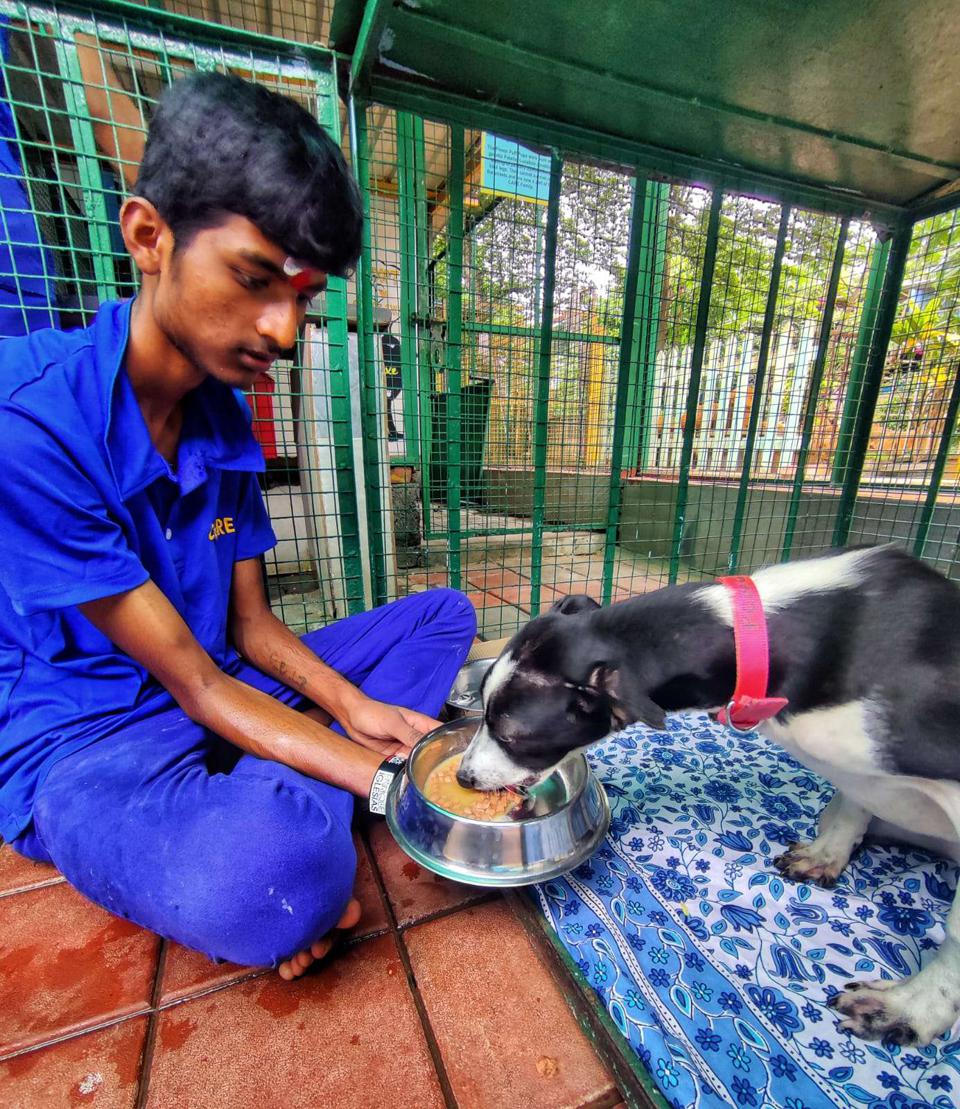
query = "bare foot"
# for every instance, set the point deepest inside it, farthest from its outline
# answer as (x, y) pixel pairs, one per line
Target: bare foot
(293, 968)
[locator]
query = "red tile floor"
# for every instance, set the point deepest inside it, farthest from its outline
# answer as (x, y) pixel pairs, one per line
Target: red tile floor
(438, 998)
(500, 586)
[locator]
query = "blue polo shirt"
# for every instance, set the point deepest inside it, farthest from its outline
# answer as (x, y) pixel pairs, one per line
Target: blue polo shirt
(88, 509)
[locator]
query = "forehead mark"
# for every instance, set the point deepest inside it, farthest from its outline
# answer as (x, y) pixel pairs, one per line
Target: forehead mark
(301, 276)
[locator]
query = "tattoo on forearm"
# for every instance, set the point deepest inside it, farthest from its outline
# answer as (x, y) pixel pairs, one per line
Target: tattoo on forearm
(298, 681)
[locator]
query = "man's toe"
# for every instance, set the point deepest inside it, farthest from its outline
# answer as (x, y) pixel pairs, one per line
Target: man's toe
(351, 914)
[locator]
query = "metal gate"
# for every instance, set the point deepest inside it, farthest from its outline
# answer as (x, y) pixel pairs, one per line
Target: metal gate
(566, 364)
(609, 379)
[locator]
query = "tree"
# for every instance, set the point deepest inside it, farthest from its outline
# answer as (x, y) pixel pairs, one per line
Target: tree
(504, 276)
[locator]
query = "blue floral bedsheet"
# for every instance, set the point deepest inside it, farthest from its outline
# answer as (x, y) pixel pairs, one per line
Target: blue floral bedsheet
(718, 971)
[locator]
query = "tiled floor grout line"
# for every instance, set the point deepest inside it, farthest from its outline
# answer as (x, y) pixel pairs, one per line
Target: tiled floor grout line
(161, 1006)
(485, 899)
(73, 1034)
(157, 990)
(432, 1046)
(353, 941)
(29, 889)
(146, 1060)
(205, 991)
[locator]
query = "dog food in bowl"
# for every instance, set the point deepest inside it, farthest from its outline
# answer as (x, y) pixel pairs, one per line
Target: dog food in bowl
(443, 789)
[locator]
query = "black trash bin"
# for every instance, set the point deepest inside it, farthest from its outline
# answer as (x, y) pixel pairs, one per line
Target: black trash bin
(474, 412)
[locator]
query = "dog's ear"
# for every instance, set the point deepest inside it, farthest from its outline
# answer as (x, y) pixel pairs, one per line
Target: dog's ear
(628, 701)
(575, 604)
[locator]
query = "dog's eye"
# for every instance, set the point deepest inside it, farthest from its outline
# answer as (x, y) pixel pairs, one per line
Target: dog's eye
(506, 734)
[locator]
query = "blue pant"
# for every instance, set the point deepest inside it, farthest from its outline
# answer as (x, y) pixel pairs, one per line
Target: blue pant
(242, 858)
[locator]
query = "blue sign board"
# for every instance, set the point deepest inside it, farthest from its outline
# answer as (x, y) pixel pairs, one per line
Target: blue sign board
(509, 169)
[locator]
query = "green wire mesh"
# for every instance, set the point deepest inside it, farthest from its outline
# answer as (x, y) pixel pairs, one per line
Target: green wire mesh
(908, 492)
(296, 20)
(81, 89)
(756, 332)
(549, 376)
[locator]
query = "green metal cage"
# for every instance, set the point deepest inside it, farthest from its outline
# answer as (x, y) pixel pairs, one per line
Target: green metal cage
(646, 380)
(576, 357)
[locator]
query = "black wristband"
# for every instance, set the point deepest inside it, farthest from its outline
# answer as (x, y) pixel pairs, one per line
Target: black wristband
(380, 786)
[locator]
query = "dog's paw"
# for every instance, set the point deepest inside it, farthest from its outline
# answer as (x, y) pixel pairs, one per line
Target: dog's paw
(873, 1011)
(811, 862)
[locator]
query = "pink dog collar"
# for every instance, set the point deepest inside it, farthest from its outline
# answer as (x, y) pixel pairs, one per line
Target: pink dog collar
(750, 705)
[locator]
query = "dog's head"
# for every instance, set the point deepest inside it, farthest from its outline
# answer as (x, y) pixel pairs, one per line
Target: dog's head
(554, 690)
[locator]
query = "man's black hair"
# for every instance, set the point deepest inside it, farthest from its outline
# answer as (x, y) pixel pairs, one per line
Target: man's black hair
(218, 144)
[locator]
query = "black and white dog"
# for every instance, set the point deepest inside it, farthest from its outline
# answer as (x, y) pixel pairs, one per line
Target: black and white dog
(865, 645)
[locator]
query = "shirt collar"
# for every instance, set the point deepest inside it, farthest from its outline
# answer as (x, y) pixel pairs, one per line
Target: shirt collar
(216, 427)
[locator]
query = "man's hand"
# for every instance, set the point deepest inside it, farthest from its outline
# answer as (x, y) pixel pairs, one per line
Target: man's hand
(387, 729)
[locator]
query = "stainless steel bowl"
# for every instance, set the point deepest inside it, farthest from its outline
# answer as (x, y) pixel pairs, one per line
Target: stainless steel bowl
(464, 699)
(570, 819)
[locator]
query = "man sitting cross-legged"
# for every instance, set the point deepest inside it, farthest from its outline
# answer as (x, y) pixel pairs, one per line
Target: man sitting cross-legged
(183, 758)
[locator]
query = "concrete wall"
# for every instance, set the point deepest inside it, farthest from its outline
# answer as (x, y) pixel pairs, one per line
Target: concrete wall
(649, 512)
(569, 499)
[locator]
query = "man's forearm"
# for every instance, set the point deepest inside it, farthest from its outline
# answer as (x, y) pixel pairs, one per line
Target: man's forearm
(272, 647)
(118, 124)
(143, 623)
(267, 728)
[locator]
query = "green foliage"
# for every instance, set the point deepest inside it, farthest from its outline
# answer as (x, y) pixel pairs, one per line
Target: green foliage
(506, 252)
(927, 314)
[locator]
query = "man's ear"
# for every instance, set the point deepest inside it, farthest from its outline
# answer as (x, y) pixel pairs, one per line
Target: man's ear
(147, 236)
(571, 606)
(628, 702)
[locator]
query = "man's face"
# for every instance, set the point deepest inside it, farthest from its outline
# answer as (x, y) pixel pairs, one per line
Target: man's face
(226, 302)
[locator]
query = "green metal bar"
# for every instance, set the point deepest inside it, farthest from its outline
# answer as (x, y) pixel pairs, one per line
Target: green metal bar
(454, 352)
(409, 286)
(369, 366)
(527, 127)
(935, 205)
(531, 332)
(334, 322)
(939, 465)
(88, 168)
(470, 323)
(696, 371)
(756, 405)
(813, 392)
(858, 364)
(338, 347)
(644, 356)
(886, 313)
(638, 247)
(421, 274)
(418, 422)
(541, 401)
(508, 429)
(374, 21)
